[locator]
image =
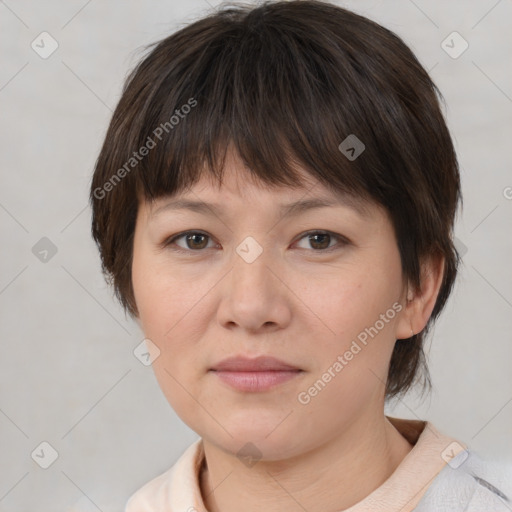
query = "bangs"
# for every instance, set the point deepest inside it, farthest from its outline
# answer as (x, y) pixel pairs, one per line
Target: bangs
(279, 98)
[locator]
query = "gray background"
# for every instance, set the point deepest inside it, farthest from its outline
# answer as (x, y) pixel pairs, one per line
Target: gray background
(68, 373)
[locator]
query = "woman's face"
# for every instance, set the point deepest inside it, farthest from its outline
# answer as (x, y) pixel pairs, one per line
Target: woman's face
(249, 281)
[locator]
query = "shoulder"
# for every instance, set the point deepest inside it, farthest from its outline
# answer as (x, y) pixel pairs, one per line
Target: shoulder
(470, 483)
(172, 489)
(143, 500)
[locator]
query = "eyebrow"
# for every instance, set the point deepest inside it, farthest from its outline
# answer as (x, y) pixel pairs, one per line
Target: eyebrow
(285, 210)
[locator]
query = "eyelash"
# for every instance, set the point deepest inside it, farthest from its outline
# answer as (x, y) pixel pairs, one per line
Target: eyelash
(342, 241)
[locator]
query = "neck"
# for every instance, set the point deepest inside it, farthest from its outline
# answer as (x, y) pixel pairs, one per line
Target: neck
(332, 477)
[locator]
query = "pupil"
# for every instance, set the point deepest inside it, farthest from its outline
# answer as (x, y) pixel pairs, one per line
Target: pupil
(192, 237)
(326, 238)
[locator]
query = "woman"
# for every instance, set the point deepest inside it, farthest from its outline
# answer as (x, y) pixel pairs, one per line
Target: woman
(274, 203)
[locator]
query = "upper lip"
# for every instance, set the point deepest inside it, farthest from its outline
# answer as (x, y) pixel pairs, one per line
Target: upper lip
(258, 364)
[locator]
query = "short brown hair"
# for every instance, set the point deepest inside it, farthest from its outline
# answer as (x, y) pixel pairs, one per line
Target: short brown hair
(284, 83)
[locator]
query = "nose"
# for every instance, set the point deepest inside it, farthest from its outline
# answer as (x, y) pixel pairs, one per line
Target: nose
(254, 295)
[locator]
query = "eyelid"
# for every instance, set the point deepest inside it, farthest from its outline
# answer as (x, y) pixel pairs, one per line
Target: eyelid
(342, 240)
(170, 240)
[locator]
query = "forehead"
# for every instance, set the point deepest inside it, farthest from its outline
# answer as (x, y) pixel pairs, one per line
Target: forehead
(240, 186)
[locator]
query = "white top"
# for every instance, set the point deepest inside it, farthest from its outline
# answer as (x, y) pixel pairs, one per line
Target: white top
(439, 474)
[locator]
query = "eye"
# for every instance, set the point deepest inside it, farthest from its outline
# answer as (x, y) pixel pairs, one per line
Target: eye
(320, 240)
(195, 241)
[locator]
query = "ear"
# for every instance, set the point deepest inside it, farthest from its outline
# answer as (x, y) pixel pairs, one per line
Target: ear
(420, 303)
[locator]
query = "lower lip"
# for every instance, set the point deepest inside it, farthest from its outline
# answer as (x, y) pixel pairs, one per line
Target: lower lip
(256, 381)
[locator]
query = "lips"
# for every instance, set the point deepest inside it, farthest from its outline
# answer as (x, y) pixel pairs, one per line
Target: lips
(254, 375)
(258, 364)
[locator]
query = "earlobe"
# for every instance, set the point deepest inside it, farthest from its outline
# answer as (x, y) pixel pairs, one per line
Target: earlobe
(420, 303)
(404, 327)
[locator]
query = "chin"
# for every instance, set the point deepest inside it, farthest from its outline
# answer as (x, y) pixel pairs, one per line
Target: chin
(251, 445)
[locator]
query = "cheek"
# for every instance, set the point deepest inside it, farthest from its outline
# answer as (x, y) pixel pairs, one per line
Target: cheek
(354, 298)
(352, 356)
(358, 308)
(170, 310)
(163, 298)
(166, 315)
(173, 314)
